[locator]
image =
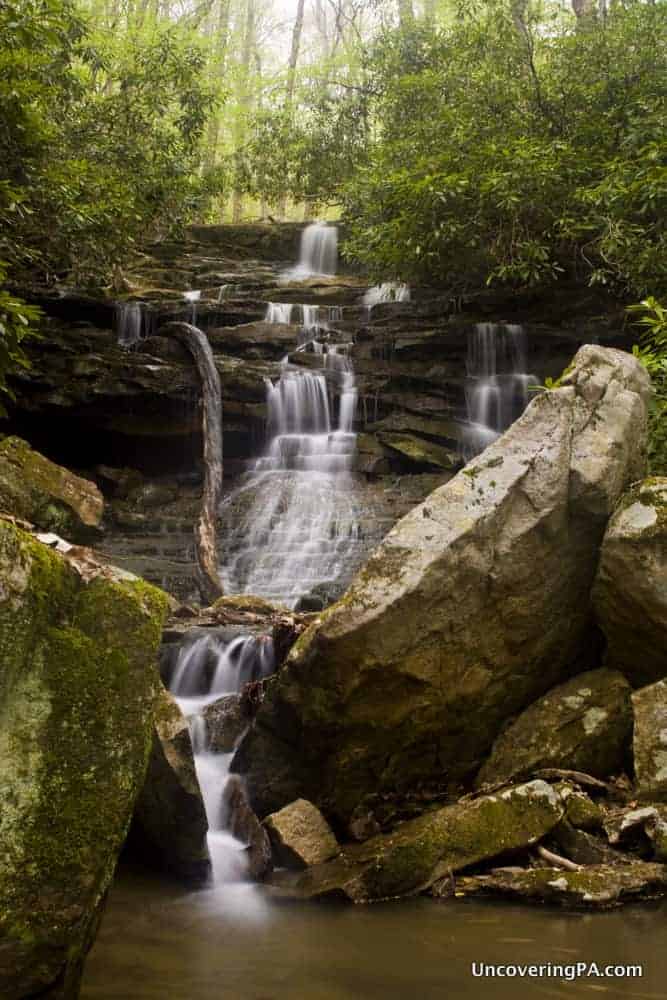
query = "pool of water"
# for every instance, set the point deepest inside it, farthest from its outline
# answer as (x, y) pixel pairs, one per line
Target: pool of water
(160, 941)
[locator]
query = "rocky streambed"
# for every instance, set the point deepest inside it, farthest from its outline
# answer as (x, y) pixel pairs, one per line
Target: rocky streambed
(480, 714)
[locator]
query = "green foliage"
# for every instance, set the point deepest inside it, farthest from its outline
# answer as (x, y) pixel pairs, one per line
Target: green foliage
(652, 352)
(17, 323)
(99, 138)
(516, 145)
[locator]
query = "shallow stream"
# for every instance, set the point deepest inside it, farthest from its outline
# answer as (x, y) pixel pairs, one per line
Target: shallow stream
(160, 942)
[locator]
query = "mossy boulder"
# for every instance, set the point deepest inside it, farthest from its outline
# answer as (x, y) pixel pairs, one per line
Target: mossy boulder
(78, 647)
(474, 605)
(52, 498)
(170, 813)
(630, 594)
(421, 851)
(582, 725)
(597, 887)
(650, 741)
(300, 835)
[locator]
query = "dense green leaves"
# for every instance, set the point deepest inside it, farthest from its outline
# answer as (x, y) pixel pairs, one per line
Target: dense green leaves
(515, 146)
(99, 139)
(652, 352)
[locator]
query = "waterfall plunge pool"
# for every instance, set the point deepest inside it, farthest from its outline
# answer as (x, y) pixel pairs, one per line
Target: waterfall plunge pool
(160, 942)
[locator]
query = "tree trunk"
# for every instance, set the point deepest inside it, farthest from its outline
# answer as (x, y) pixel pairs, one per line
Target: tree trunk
(583, 8)
(218, 71)
(291, 80)
(206, 549)
(246, 56)
(406, 14)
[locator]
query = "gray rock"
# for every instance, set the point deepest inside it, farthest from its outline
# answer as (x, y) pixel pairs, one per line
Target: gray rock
(650, 741)
(170, 810)
(244, 825)
(300, 836)
(583, 725)
(630, 594)
(420, 852)
(474, 605)
(225, 723)
(596, 887)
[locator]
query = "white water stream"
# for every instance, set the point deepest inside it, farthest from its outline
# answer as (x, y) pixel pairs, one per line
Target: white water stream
(318, 254)
(296, 532)
(300, 521)
(205, 671)
(497, 383)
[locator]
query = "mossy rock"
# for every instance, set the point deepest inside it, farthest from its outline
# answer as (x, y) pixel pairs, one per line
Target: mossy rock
(78, 645)
(418, 853)
(583, 725)
(170, 823)
(52, 498)
(597, 887)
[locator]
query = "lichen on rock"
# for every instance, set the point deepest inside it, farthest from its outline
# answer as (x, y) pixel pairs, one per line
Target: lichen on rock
(37, 490)
(583, 725)
(77, 688)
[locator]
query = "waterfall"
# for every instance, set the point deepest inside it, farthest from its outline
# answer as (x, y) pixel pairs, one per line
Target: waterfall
(311, 319)
(193, 298)
(389, 291)
(280, 312)
(299, 521)
(205, 532)
(132, 322)
(318, 254)
(206, 670)
(497, 383)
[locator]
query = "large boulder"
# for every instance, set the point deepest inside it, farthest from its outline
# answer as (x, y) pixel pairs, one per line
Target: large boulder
(78, 644)
(584, 725)
(170, 813)
(420, 852)
(650, 741)
(475, 604)
(300, 835)
(53, 498)
(630, 594)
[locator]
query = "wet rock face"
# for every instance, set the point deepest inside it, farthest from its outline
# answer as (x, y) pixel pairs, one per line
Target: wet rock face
(170, 811)
(584, 724)
(225, 722)
(47, 495)
(630, 593)
(650, 741)
(244, 825)
(78, 641)
(300, 836)
(420, 852)
(474, 605)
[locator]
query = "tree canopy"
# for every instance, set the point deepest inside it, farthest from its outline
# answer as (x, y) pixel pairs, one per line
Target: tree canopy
(463, 142)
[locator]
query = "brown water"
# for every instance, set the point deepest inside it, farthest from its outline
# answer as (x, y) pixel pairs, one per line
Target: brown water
(158, 941)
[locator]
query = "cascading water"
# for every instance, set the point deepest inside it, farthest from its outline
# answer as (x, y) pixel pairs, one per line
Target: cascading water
(311, 319)
(301, 523)
(497, 384)
(389, 291)
(193, 298)
(133, 322)
(205, 671)
(319, 251)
